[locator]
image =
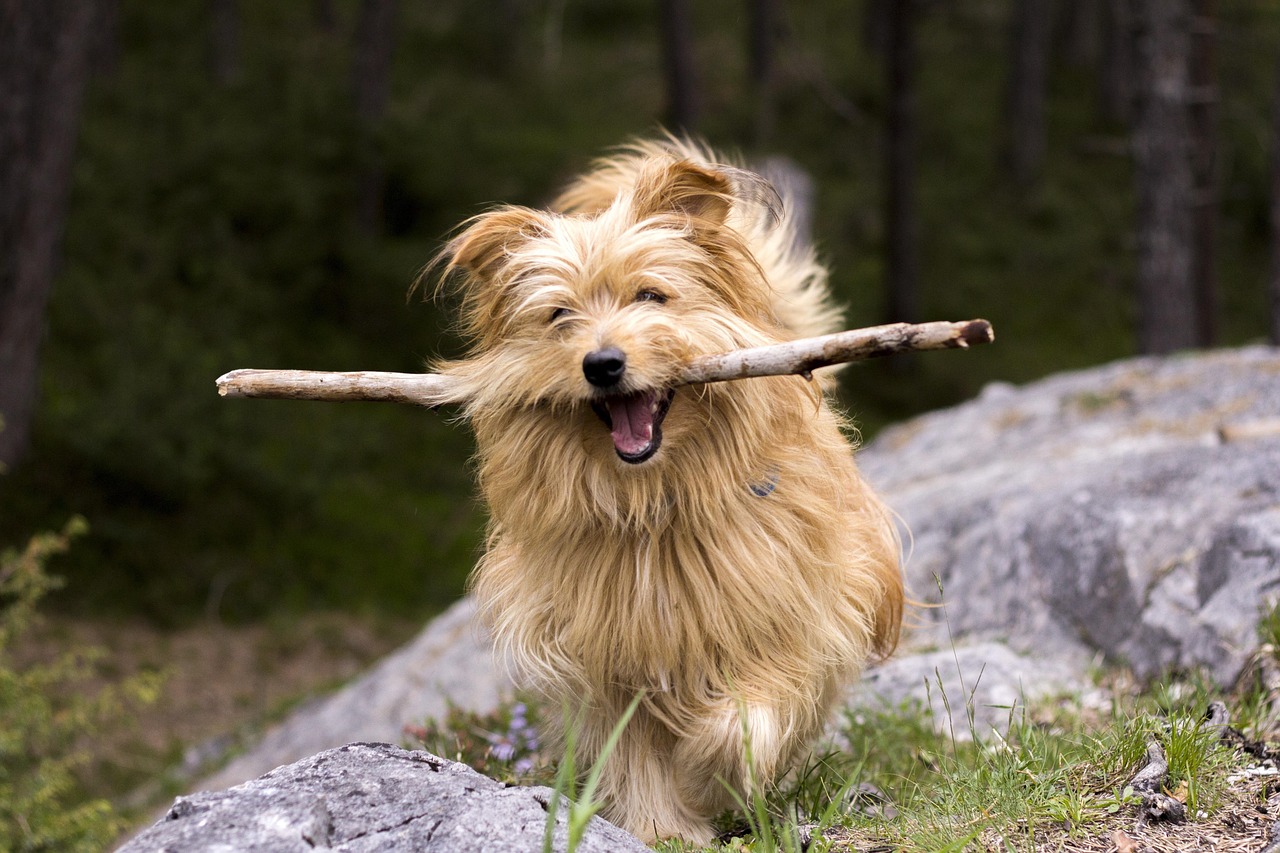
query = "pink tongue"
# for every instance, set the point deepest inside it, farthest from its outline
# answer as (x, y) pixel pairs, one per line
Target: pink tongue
(632, 420)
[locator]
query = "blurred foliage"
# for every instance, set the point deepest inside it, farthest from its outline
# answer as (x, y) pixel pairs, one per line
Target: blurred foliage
(48, 712)
(214, 228)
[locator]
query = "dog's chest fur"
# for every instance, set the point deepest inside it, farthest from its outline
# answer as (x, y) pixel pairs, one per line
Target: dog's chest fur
(736, 573)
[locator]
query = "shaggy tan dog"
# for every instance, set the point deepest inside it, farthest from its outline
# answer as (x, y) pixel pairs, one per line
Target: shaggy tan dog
(712, 546)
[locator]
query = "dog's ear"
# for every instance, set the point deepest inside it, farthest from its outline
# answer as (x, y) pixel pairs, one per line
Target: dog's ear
(490, 237)
(684, 188)
(480, 255)
(705, 194)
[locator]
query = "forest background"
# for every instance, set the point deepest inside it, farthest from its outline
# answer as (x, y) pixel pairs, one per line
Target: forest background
(194, 186)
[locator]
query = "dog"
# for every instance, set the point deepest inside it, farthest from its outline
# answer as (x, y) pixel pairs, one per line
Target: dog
(709, 548)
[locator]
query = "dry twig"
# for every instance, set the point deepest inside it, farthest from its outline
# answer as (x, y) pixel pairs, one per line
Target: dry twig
(795, 357)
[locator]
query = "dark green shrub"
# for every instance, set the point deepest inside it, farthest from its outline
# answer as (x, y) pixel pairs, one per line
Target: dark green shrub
(47, 717)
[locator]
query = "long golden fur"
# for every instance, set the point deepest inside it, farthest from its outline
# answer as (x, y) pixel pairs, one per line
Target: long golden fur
(726, 559)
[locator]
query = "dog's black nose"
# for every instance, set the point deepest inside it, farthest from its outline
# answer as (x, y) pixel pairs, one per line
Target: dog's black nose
(604, 367)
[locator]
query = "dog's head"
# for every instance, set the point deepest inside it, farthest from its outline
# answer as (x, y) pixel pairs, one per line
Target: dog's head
(590, 314)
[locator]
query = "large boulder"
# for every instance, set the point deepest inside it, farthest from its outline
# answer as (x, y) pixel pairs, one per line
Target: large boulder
(365, 797)
(1131, 509)
(968, 689)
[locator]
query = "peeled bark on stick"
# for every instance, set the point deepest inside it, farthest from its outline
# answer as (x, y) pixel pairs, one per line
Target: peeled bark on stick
(795, 357)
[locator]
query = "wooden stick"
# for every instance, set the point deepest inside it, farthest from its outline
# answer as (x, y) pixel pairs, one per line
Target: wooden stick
(420, 389)
(809, 354)
(794, 357)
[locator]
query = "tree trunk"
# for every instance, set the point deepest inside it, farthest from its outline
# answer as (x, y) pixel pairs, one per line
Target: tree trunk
(1166, 293)
(875, 26)
(1115, 79)
(765, 32)
(1204, 139)
(1080, 32)
(324, 15)
(45, 48)
(105, 54)
(371, 85)
(505, 27)
(1274, 284)
(902, 280)
(1028, 87)
(224, 41)
(678, 71)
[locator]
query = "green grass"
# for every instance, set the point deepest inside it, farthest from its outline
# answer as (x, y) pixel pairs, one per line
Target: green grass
(1059, 775)
(1058, 772)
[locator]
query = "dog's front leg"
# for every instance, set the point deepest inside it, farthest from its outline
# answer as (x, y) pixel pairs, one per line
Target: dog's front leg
(734, 751)
(637, 784)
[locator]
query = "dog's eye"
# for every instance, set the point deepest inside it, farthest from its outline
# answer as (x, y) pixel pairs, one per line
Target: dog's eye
(557, 314)
(650, 296)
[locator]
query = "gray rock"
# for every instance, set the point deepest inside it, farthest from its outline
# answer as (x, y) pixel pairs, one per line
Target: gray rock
(1098, 511)
(371, 797)
(1240, 569)
(968, 691)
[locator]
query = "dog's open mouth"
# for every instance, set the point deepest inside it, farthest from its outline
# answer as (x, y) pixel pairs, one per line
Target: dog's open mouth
(635, 422)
